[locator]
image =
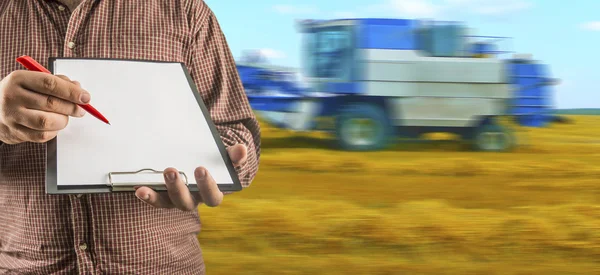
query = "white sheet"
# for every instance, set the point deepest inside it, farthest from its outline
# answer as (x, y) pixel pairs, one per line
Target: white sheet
(156, 123)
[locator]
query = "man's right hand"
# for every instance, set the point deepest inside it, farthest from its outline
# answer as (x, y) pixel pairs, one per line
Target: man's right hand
(34, 106)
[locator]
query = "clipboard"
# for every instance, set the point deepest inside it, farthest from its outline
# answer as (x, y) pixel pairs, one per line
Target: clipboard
(68, 158)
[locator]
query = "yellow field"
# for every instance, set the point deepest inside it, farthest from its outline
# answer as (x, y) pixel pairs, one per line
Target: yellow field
(431, 208)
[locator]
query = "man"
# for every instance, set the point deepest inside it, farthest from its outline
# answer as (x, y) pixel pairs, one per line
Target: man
(107, 233)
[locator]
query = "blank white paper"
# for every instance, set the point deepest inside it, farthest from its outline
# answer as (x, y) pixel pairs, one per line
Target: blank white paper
(156, 123)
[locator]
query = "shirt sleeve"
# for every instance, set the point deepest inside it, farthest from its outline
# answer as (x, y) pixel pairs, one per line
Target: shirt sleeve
(213, 69)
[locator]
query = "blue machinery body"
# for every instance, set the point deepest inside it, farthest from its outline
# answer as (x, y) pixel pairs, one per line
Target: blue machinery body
(407, 77)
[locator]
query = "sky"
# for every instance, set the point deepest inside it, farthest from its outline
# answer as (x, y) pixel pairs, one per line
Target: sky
(565, 35)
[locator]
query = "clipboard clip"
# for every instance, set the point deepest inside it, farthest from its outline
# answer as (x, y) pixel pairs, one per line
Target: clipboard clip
(129, 185)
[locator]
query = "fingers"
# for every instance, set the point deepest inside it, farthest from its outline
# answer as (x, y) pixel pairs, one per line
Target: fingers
(178, 194)
(178, 191)
(68, 79)
(24, 133)
(35, 105)
(207, 187)
(153, 198)
(238, 154)
(57, 86)
(21, 96)
(42, 121)
(52, 104)
(63, 77)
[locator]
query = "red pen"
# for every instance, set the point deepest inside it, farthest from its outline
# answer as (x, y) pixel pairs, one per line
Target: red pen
(33, 65)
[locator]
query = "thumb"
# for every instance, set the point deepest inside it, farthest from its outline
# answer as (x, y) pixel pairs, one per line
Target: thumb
(238, 154)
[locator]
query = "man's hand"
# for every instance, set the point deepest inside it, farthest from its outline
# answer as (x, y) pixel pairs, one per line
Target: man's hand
(34, 106)
(179, 196)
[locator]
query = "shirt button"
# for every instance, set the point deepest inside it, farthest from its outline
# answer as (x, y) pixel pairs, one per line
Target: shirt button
(61, 8)
(79, 196)
(71, 45)
(83, 246)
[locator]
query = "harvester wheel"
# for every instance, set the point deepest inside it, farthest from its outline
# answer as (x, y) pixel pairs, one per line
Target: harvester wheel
(363, 127)
(493, 138)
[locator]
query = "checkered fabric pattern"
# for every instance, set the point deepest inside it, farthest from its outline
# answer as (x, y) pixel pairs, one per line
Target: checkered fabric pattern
(112, 233)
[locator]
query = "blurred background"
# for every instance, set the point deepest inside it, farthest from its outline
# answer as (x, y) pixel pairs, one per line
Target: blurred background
(415, 137)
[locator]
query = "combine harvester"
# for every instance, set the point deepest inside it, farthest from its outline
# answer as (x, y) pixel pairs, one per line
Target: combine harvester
(381, 79)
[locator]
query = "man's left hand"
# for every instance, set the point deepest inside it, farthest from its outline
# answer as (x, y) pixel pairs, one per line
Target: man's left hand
(179, 196)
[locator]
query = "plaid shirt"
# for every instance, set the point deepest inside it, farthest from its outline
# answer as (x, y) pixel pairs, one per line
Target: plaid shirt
(112, 233)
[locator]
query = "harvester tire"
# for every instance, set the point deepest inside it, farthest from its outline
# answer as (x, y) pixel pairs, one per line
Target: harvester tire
(377, 134)
(493, 138)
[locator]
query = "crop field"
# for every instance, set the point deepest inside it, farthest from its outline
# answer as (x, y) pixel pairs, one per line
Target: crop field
(418, 208)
